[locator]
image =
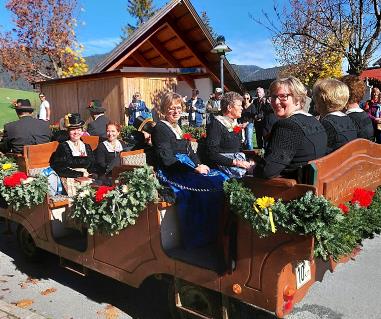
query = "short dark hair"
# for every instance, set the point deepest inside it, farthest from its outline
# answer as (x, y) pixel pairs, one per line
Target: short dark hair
(356, 88)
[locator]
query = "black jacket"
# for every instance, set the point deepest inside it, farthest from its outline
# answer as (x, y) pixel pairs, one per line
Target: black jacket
(166, 146)
(363, 124)
(340, 130)
(293, 142)
(98, 127)
(220, 140)
(25, 131)
(63, 161)
(106, 160)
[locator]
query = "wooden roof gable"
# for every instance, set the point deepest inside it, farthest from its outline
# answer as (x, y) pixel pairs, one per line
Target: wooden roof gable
(175, 37)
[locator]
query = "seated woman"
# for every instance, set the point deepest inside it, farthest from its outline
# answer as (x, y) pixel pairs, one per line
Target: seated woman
(359, 117)
(331, 97)
(224, 137)
(107, 152)
(73, 159)
(199, 193)
(296, 138)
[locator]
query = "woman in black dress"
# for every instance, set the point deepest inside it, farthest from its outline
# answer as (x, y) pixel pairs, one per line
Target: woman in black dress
(296, 138)
(224, 138)
(359, 117)
(107, 152)
(331, 97)
(199, 194)
(73, 158)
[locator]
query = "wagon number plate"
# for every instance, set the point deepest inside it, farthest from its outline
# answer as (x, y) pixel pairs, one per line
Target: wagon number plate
(303, 273)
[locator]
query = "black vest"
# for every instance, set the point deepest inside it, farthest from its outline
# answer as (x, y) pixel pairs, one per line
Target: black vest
(340, 131)
(363, 124)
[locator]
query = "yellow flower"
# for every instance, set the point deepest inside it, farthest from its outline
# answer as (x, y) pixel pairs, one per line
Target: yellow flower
(6, 166)
(265, 202)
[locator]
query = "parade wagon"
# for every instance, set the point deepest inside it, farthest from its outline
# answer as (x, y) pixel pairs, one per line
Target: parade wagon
(257, 261)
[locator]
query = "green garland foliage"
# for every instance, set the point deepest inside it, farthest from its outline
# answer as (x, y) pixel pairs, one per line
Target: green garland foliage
(120, 207)
(126, 132)
(28, 194)
(5, 170)
(196, 132)
(336, 234)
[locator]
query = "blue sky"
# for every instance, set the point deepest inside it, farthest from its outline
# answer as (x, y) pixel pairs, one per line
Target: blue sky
(100, 24)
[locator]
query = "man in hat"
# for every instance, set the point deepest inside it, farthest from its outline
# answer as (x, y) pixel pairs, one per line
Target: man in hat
(213, 107)
(98, 126)
(25, 131)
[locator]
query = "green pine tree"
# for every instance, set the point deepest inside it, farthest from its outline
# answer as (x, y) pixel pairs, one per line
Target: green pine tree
(206, 20)
(141, 10)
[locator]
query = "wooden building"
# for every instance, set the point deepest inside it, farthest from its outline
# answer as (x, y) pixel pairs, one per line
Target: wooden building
(174, 39)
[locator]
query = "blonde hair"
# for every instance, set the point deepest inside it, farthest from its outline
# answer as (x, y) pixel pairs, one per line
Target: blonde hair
(297, 89)
(168, 99)
(330, 95)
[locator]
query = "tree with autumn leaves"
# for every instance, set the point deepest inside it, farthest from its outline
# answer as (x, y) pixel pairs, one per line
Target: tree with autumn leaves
(42, 44)
(312, 37)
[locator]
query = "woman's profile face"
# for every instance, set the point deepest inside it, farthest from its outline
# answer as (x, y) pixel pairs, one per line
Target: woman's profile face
(173, 113)
(235, 110)
(283, 102)
(112, 133)
(75, 134)
(375, 94)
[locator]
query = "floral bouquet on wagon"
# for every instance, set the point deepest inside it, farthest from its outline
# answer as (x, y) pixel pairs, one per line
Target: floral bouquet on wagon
(337, 230)
(17, 189)
(110, 209)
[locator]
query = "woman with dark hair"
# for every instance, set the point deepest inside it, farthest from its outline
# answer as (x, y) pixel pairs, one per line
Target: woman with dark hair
(224, 137)
(247, 119)
(296, 138)
(360, 119)
(107, 152)
(73, 158)
(198, 190)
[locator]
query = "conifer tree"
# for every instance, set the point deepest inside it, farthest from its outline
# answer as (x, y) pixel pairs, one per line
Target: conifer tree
(141, 10)
(205, 18)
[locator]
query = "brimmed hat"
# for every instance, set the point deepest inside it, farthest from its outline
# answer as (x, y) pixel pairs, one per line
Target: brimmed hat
(95, 106)
(218, 90)
(23, 105)
(73, 120)
(144, 124)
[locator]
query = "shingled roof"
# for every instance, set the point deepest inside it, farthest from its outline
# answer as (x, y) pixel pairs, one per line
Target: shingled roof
(175, 37)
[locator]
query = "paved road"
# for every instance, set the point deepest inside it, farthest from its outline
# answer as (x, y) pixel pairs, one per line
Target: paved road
(352, 292)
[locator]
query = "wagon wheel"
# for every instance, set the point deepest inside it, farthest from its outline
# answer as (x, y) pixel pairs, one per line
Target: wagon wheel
(27, 244)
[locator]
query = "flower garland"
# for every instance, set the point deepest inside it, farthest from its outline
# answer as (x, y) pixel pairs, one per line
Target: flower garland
(337, 230)
(19, 190)
(191, 132)
(111, 209)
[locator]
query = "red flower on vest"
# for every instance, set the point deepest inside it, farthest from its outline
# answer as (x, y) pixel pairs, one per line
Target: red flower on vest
(237, 129)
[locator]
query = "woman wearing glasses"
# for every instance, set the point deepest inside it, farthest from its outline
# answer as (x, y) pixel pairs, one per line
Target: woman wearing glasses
(198, 190)
(296, 138)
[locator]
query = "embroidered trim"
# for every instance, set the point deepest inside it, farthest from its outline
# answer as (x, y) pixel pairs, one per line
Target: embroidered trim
(118, 146)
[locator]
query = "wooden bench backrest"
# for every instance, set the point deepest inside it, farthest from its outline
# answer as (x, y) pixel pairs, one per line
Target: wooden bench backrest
(91, 140)
(38, 156)
(356, 164)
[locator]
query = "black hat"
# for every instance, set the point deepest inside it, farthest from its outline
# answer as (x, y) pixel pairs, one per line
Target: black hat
(73, 120)
(23, 105)
(95, 106)
(144, 124)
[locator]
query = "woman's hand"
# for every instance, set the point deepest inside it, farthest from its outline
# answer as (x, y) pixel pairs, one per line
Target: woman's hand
(242, 164)
(202, 169)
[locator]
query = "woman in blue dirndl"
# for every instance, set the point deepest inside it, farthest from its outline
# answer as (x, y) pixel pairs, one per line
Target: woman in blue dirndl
(199, 191)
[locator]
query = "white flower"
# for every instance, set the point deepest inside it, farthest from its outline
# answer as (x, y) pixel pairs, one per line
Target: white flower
(27, 181)
(84, 194)
(124, 189)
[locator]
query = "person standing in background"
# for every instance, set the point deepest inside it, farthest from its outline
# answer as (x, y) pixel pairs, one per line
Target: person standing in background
(98, 126)
(213, 107)
(44, 113)
(247, 118)
(196, 109)
(259, 103)
(137, 108)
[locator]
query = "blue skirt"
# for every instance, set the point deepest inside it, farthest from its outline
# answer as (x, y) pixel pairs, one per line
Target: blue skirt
(199, 199)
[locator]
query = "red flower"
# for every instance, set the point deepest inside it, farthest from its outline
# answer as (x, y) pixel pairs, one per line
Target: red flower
(203, 135)
(344, 208)
(187, 136)
(362, 197)
(101, 192)
(237, 129)
(14, 179)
